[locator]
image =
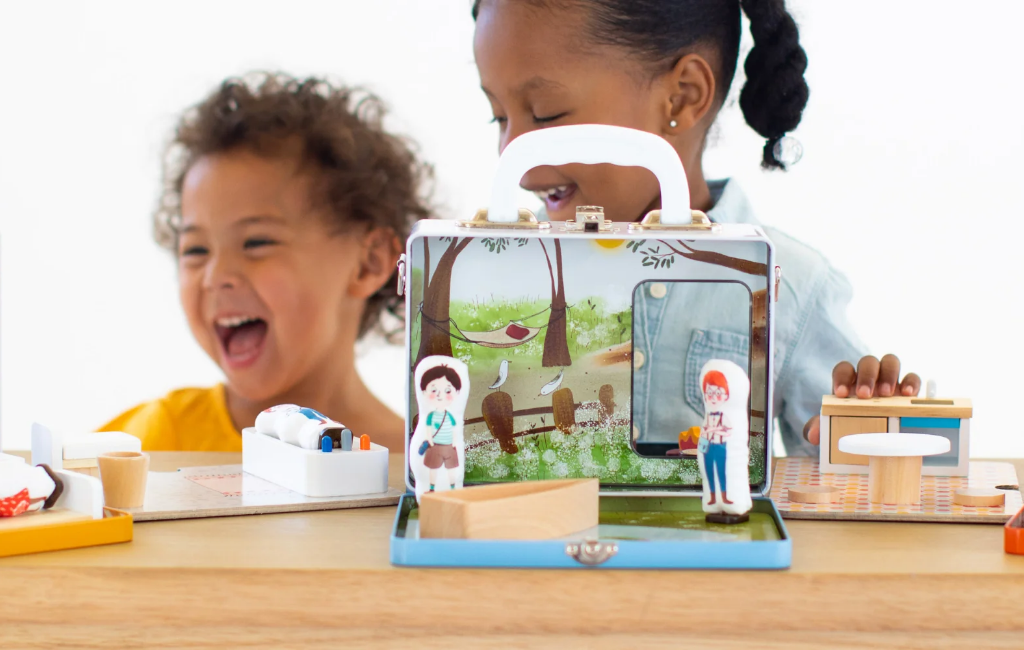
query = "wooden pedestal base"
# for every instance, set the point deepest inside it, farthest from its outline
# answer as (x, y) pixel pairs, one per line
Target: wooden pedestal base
(894, 480)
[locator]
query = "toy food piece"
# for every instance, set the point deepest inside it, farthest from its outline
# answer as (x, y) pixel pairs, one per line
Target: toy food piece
(979, 497)
(894, 469)
(814, 494)
(303, 427)
(27, 489)
(723, 453)
(527, 510)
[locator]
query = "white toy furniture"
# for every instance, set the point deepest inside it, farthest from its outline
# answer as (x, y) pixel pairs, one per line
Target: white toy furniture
(78, 453)
(894, 468)
(948, 418)
(312, 472)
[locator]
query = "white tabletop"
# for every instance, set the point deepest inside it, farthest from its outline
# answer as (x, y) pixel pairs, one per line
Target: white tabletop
(894, 444)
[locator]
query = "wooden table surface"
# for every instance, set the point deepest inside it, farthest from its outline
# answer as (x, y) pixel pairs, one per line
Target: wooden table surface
(324, 580)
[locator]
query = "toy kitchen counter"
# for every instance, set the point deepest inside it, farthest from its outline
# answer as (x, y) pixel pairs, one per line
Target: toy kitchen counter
(314, 578)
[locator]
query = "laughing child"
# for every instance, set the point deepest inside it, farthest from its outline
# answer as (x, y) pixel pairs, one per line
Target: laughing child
(665, 67)
(285, 207)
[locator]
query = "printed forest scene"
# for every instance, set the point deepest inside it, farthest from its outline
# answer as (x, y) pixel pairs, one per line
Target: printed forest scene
(544, 326)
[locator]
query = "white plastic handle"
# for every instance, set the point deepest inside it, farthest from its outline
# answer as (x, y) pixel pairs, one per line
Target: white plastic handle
(590, 144)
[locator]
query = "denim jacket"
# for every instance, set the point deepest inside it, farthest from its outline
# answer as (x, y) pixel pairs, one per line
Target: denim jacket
(812, 335)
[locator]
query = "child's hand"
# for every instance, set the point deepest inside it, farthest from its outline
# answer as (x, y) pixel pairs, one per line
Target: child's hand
(871, 378)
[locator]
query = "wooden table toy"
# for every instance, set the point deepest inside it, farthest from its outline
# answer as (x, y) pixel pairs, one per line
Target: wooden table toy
(894, 471)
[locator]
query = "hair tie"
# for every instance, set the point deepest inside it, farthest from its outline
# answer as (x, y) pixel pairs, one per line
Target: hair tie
(788, 150)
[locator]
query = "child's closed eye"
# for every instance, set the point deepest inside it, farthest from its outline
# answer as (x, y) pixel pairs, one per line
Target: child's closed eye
(194, 251)
(549, 118)
(254, 243)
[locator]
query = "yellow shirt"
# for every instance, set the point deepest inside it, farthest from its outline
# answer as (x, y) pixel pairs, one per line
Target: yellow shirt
(188, 419)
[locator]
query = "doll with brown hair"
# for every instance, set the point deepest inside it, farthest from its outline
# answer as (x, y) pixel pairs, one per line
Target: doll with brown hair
(285, 207)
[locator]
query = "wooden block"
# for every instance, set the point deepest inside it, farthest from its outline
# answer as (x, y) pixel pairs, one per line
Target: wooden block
(895, 480)
(979, 497)
(845, 426)
(80, 463)
(814, 494)
(527, 510)
(906, 407)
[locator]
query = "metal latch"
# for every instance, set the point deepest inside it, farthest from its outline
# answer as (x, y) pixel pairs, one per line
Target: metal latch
(401, 275)
(589, 218)
(778, 279)
(652, 221)
(591, 552)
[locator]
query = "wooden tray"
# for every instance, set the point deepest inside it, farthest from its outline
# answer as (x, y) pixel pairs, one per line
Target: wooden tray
(61, 528)
(226, 490)
(936, 495)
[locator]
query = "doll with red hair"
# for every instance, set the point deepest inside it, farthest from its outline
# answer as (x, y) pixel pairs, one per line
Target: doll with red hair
(723, 454)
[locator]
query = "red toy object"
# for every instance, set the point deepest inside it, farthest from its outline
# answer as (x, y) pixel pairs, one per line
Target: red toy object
(14, 505)
(1013, 534)
(517, 332)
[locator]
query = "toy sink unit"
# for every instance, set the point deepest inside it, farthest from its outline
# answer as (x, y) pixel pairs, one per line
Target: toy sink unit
(315, 473)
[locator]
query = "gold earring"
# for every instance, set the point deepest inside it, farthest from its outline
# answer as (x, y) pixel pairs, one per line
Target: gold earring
(673, 124)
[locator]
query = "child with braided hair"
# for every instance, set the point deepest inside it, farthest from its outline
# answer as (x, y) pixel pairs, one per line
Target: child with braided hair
(665, 68)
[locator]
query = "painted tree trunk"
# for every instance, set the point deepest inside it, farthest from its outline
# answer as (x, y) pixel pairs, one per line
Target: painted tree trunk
(435, 329)
(556, 345)
(497, 412)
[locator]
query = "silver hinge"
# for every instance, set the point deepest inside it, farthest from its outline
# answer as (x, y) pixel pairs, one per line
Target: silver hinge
(401, 275)
(526, 220)
(778, 279)
(591, 552)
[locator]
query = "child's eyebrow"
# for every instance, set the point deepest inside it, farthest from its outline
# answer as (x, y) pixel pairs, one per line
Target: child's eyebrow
(261, 219)
(539, 83)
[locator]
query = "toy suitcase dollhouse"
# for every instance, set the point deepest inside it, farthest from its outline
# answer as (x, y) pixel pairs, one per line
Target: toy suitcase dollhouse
(583, 341)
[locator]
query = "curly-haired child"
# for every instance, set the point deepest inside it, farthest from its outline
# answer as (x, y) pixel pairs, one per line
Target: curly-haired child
(285, 205)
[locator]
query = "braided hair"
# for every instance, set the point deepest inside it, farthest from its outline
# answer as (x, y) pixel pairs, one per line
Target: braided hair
(662, 31)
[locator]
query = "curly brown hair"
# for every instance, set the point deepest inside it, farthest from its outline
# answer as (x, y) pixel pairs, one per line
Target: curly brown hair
(367, 175)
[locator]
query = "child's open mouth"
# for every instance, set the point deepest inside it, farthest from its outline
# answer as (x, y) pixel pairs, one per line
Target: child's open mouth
(241, 339)
(557, 198)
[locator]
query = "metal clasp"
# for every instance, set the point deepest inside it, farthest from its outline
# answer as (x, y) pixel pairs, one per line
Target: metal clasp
(401, 275)
(699, 221)
(527, 220)
(778, 279)
(591, 552)
(589, 218)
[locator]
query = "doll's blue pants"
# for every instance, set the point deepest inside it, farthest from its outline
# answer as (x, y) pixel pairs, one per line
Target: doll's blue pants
(714, 461)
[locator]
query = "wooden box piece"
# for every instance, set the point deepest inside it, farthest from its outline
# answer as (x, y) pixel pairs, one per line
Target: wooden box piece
(512, 511)
(847, 416)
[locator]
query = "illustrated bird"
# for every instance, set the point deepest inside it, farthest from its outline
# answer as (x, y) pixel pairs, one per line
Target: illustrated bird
(553, 385)
(502, 375)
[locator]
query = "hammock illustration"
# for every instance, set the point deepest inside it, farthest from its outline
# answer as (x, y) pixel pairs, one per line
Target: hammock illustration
(507, 336)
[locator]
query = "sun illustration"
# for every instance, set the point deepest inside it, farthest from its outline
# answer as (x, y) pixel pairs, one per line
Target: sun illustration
(609, 243)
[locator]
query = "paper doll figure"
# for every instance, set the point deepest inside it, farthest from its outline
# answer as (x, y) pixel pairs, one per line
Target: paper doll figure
(723, 453)
(437, 450)
(26, 489)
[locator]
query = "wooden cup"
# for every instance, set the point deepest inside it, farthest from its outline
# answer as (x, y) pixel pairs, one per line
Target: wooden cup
(123, 474)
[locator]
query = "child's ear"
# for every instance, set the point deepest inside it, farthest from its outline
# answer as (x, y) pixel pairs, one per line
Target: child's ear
(690, 96)
(380, 252)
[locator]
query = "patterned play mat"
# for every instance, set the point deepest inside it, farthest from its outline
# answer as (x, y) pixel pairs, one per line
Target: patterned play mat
(936, 495)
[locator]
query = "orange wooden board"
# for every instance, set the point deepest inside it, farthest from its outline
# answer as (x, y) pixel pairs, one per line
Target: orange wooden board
(936, 495)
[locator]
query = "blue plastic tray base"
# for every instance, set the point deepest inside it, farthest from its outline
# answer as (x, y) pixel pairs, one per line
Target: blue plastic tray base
(650, 532)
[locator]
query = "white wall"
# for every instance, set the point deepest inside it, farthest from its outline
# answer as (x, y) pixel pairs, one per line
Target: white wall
(907, 184)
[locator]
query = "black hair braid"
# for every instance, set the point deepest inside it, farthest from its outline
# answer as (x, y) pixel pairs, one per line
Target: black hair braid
(775, 94)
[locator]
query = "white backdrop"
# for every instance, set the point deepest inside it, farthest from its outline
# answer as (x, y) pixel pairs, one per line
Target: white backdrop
(908, 184)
